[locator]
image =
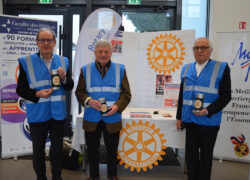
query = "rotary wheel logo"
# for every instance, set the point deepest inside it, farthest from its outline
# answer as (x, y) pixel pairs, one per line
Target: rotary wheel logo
(140, 146)
(165, 53)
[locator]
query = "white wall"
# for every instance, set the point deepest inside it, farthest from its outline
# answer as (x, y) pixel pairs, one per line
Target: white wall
(225, 16)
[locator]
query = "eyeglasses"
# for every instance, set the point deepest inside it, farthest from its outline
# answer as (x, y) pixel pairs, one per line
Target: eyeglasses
(44, 40)
(202, 48)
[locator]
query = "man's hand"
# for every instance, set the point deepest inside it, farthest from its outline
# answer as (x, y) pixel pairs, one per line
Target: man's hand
(45, 93)
(112, 110)
(178, 124)
(95, 104)
(203, 112)
(61, 73)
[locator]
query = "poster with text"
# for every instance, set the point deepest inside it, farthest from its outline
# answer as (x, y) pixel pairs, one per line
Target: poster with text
(153, 62)
(234, 135)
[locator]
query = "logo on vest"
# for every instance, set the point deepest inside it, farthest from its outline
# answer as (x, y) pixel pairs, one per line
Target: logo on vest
(165, 53)
(141, 145)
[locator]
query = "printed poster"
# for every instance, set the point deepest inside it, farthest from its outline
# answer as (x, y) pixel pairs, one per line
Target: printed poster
(153, 62)
(234, 135)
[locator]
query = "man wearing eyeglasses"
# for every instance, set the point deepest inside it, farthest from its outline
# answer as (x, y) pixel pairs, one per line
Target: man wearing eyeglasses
(211, 80)
(46, 108)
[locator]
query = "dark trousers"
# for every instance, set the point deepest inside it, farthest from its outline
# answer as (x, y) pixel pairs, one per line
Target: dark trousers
(200, 141)
(93, 143)
(39, 134)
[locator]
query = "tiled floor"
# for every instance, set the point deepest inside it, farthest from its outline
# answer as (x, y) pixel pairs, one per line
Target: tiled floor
(23, 170)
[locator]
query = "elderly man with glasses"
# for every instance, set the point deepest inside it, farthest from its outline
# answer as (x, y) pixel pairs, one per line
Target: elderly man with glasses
(45, 107)
(205, 90)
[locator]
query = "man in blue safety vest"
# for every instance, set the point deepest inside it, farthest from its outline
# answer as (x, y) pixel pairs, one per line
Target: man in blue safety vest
(204, 82)
(46, 108)
(99, 82)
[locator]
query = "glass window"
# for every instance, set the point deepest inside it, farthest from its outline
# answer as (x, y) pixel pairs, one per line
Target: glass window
(75, 34)
(194, 16)
(146, 22)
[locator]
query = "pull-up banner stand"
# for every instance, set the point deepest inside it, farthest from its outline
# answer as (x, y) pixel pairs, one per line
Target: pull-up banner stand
(234, 135)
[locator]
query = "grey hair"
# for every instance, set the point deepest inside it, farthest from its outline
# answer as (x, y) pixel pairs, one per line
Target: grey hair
(210, 43)
(48, 30)
(103, 43)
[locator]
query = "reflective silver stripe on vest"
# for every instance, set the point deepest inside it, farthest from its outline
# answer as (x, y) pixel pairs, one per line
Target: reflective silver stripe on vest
(52, 98)
(184, 75)
(30, 69)
(206, 89)
(117, 77)
(57, 98)
(202, 89)
(188, 102)
(214, 75)
(191, 103)
(63, 63)
(103, 89)
(40, 101)
(96, 89)
(40, 83)
(209, 89)
(88, 72)
(185, 72)
(110, 103)
(111, 89)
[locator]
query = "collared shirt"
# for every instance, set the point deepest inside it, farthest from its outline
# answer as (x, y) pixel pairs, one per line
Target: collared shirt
(47, 63)
(103, 70)
(200, 67)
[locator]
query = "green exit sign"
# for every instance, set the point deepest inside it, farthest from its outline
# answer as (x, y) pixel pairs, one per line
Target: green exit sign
(45, 1)
(134, 2)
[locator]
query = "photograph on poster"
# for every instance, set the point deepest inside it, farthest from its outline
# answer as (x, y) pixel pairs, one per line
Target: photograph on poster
(166, 90)
(171, 95)
(117, 46)
(160, 83)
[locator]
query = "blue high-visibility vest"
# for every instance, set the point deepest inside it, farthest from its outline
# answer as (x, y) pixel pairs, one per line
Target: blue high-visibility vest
(39, 78)
(206, 83)
(108, 87)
